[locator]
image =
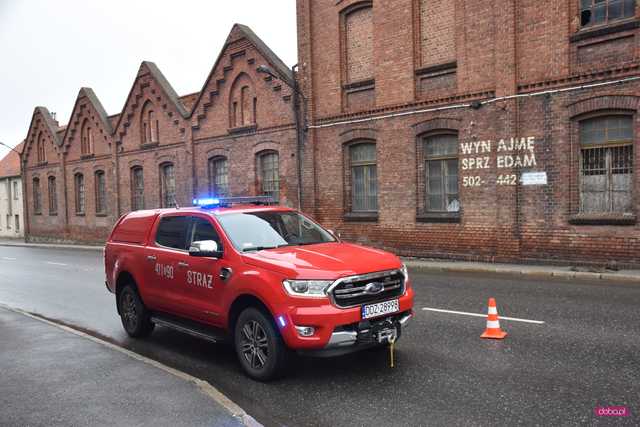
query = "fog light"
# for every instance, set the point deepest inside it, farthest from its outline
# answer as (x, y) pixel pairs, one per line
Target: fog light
(305, 331)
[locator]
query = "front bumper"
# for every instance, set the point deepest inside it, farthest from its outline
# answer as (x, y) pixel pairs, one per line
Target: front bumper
(339, 329)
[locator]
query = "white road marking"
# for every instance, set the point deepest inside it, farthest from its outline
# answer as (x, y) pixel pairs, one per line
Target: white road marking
(56, 263)
(6, 258)
(515, 319)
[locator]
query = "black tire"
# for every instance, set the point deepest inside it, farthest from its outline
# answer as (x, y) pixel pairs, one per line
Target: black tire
(259, 346)
(134, 315)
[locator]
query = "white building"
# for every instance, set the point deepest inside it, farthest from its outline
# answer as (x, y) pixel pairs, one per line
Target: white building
(11, 216)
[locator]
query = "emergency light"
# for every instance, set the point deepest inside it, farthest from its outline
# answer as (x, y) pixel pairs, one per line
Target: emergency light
(219, 202)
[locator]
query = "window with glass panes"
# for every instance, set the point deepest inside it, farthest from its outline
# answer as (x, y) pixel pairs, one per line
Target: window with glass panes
(441, 173)
(168, 185)
(218, 177)
(270, 175)
(79, 181)
(606, 164)
(53, 195)
(101, 193)
(364, 178)
(137, 188)
(597, 12)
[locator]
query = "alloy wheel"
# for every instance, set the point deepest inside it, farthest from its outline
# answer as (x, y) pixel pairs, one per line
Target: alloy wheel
(254, 344)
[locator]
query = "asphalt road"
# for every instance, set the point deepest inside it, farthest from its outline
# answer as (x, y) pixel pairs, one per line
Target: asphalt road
(586, 354)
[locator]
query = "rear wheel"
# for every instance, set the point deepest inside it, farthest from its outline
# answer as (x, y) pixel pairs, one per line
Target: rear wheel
(259, 346)
(135, 316)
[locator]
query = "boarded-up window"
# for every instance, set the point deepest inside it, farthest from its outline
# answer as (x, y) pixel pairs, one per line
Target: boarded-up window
(437, 31)
(358, 39)
(270, 175)
(606, 164)
(242, 102)
(40, 150)
(218, 177)
(441, 169)
(364, 178)
(86, 138)
(37, 197)
(150, 125)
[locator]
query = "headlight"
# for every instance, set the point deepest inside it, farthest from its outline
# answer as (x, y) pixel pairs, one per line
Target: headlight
(307, 288)
(405, 272)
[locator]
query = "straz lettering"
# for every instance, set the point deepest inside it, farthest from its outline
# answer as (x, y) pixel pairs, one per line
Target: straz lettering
(200, 279)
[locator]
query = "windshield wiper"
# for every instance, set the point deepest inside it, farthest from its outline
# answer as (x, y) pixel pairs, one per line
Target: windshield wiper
(258, 248)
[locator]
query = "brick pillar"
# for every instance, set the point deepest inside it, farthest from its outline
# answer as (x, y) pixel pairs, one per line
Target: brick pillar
(507, 245)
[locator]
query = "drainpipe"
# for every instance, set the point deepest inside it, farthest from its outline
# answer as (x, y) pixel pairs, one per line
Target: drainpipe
(299, 131)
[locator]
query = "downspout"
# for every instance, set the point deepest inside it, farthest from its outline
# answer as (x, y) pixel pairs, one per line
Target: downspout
(25, 205)
(299, 131)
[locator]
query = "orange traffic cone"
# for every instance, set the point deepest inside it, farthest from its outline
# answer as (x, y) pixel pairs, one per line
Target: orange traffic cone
(493, 324)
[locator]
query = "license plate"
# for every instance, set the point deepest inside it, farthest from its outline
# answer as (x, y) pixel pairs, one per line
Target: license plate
(380, 309)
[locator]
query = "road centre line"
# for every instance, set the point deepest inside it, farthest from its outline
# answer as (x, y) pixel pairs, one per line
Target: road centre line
(515, 319)
(6, 258)
(56, 263)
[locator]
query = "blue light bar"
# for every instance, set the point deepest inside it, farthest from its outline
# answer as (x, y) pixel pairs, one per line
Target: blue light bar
(208, 202)
(282, 321)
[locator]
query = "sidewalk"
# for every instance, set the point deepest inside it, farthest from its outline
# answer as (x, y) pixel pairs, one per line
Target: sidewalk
(584, 273)
(22, 243)
(55, 376)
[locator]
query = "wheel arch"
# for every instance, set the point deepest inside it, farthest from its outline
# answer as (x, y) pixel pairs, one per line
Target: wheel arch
(242, 302)
(124, 278)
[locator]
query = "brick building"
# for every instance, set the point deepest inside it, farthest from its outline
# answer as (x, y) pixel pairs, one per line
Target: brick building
(498, 131)
(236, 136)
(413, 105)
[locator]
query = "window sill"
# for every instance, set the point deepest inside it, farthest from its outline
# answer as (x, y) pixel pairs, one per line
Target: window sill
(37, 213)
(101, 215)
(148, 145)
(603, 30)
(87, 156)
(42, 163)
(53, 214)
(243, 129)
(360, 85)
(79, 214)
(361, 217)
(451, 217)
(602, 219)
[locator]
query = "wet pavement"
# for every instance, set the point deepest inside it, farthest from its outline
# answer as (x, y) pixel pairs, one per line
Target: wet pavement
(583, 356)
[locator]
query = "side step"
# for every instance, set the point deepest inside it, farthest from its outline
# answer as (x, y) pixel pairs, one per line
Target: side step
(190, 327)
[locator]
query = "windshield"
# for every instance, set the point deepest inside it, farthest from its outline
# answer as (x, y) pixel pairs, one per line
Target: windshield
(252, 231)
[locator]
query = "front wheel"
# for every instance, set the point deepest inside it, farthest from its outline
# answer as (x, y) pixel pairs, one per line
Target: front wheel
(259, 346)
(134, 315)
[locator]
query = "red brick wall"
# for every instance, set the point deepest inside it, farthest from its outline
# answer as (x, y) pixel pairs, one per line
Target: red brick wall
(494, 49)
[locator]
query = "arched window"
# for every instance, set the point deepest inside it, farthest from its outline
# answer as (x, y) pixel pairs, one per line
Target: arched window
(86, 137)
(218, 177)
(358, 42)
(270, 174)
(242, 103)
(53, 195)
(37, 197)
(364, 177)
(167, 185)
(79, 193)
(150, 126)
(606, 164)
(40, 149)
(100, 192)
(137, 188)
(441, 172)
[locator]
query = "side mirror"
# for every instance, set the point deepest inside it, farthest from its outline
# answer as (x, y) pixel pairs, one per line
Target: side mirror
(205, 248)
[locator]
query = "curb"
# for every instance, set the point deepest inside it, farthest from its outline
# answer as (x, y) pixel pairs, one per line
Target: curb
(204, 387)
(52, 246)
(580, 275)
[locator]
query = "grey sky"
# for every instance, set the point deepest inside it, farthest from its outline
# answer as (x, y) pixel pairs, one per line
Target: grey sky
(49, 49)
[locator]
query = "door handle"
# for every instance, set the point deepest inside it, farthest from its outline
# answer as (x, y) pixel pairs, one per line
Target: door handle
(151, 258)
(183, 264)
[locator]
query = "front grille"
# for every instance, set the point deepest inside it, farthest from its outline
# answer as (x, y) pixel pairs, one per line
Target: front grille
(350, 291)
